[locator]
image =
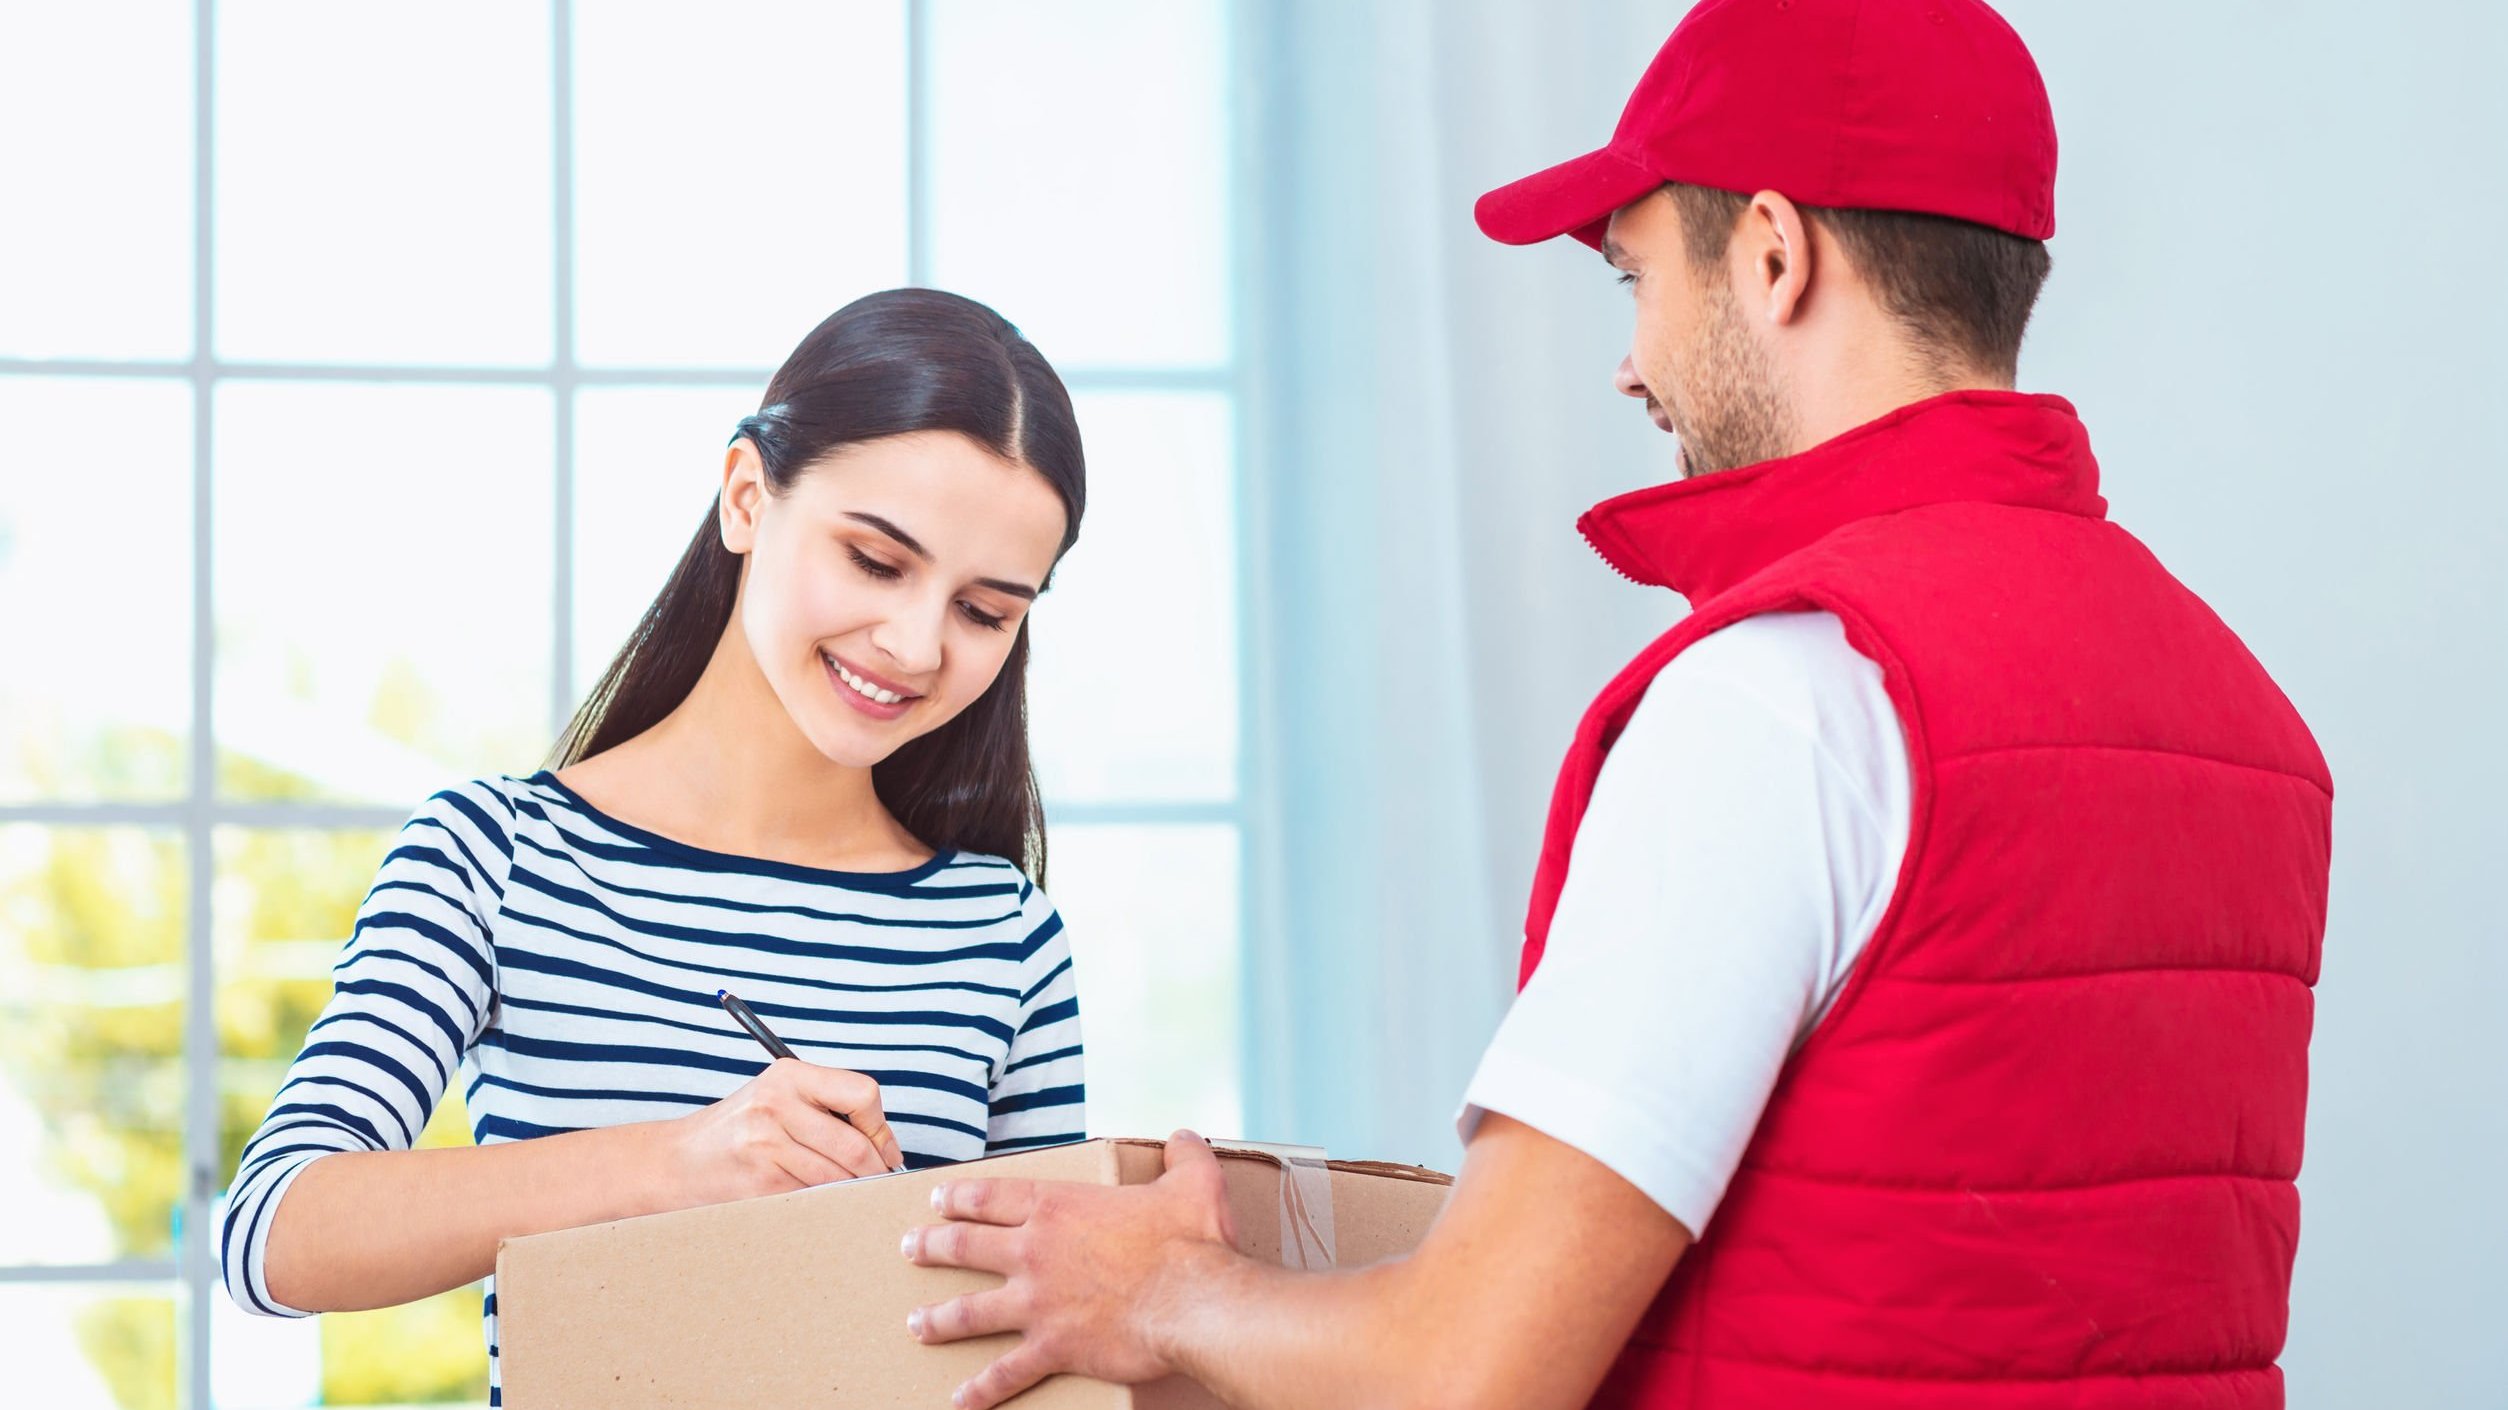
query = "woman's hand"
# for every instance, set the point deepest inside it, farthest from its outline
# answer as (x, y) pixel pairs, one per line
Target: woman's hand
(792, 1126)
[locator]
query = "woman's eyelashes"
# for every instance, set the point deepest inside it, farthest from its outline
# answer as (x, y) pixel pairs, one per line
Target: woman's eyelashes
(885, 572)
(1627, 277)
(890, 572)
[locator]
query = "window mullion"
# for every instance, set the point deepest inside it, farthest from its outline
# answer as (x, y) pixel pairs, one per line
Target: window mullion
(562, 362)
(198, 1253)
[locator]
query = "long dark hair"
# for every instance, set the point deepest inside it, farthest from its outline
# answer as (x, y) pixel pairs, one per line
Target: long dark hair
(884, 365)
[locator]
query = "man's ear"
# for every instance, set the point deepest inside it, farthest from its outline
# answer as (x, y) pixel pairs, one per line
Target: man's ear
(1773, 257)
(744, 491)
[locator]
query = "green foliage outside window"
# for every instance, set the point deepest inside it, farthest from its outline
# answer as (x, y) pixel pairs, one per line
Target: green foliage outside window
(97, 1047)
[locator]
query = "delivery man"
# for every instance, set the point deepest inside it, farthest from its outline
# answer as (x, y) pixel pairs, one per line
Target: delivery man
(1917, 980)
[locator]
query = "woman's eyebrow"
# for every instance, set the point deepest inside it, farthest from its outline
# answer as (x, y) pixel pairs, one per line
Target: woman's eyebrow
(904, 540)
(912, 545)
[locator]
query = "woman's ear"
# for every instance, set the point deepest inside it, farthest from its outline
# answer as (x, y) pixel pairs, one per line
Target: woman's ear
(744, 491)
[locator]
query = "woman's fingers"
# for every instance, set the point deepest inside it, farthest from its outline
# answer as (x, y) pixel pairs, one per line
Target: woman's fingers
(816, 1129)
(806, 1167)
(855, 1098)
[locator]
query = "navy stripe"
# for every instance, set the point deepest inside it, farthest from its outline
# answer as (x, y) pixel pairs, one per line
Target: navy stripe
(726, 903)
(443, 1074)
(1029, 1101)
(420, 925)
(1056, 1055)
(592, 1094)
(1052, 1013)
(297, 1079)
(546, 964)
(360, 1053)
(652, 849)
(794, 1039)
(742, 1067)
(780, 945)
(1023, 1143)
(479, 819)
(260, 1162)
(938, 1123)
(509, 1129)
(452, 1031)
(461, 904)
(320, 1114)
(476, 873)
(379, 954)
(967, 893)
(1042, 985)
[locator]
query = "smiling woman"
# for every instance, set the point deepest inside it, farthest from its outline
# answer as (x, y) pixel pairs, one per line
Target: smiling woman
(925, 410)
(805, 777)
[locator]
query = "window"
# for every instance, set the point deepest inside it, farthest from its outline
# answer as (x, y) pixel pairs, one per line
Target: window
(361, 376)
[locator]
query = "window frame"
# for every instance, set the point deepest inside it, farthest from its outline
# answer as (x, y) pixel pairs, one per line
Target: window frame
(192, 1275)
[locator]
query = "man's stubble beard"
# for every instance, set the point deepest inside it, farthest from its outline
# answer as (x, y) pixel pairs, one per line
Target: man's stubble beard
(1728, 411)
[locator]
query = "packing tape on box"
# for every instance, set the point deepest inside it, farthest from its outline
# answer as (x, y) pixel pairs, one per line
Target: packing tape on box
(1305, 1201)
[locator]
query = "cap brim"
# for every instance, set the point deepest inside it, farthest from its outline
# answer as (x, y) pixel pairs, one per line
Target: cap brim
(1575, 197)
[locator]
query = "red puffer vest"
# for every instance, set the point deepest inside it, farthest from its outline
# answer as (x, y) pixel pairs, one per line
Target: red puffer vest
(2041, 1151)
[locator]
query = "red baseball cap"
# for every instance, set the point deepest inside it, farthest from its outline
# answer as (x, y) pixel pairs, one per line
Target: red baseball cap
(1902, 105)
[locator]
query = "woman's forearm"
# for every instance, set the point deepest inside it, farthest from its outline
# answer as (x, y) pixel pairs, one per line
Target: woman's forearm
(368, 1229)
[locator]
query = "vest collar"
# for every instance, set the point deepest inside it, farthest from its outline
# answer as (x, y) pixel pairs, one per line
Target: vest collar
(1701, 536)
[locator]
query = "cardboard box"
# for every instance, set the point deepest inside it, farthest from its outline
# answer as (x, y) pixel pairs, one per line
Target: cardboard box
(801, 1299)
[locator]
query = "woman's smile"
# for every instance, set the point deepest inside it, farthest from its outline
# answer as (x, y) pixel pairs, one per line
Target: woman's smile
(865, 692)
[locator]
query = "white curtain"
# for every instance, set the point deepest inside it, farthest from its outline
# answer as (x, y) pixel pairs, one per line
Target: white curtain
(1430, 413)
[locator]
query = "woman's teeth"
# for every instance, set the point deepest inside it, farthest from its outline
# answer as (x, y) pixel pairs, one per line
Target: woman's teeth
(863, 687)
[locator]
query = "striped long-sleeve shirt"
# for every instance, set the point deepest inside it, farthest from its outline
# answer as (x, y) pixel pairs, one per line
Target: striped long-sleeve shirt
(565, 965)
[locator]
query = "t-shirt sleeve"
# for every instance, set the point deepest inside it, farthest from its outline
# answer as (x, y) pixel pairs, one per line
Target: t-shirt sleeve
(1741, 843)
(410, 994)
(1039, 1095)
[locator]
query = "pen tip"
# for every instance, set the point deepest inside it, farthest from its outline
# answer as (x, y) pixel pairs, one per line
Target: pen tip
(721, 994)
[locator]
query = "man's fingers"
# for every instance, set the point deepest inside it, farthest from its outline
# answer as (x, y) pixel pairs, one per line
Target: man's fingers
(975, 1315)
(1188, 1154)
(979, 1246)
(1017, 1369)
(987, 1201)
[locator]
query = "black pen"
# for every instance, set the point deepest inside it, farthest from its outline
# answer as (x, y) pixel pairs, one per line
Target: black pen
(766, 1039)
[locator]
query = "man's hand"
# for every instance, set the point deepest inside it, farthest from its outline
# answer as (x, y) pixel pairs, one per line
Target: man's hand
(1091, 1270)
(1519, 1298)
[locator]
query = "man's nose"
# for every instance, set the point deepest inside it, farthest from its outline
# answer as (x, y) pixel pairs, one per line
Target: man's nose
(1627, 380)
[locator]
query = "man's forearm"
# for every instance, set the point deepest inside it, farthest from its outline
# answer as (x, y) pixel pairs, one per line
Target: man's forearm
(1266, 1338)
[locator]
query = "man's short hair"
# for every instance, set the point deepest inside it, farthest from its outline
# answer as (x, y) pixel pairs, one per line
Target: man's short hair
(1964, 291)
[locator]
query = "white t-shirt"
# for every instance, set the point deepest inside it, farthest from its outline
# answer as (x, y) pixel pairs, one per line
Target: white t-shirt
(1741, 845)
